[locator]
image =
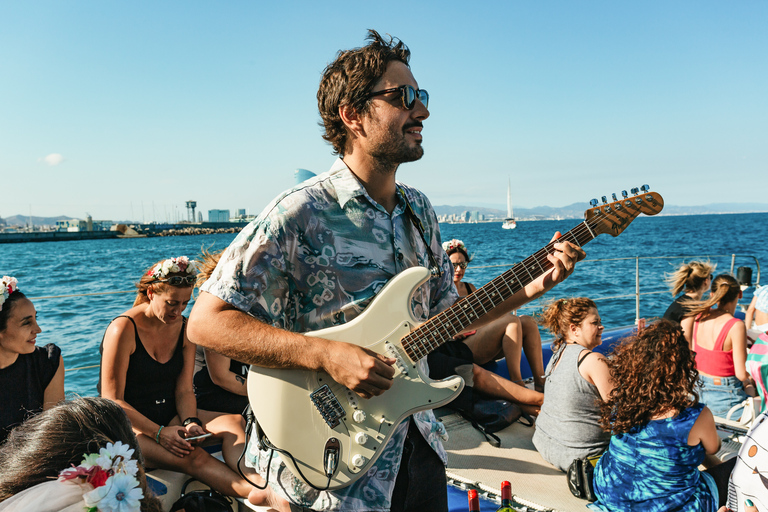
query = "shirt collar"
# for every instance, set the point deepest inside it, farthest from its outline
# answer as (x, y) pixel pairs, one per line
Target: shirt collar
(349, 187)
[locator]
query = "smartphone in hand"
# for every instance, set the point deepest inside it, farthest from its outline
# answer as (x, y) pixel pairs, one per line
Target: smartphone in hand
(195, 438)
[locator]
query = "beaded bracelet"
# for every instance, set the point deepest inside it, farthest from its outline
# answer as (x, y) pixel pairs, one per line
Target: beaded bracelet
(157, 436)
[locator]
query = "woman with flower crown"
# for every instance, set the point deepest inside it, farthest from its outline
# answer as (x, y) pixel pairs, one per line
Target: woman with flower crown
(77, 455)
(31, 377)
(147, 365)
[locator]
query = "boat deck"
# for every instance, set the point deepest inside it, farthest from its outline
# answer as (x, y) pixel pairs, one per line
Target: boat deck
(473, 463)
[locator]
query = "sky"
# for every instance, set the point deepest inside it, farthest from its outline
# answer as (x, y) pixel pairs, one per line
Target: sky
(125, 110)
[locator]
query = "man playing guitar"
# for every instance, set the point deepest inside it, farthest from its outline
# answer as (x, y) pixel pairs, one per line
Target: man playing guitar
(318, 255)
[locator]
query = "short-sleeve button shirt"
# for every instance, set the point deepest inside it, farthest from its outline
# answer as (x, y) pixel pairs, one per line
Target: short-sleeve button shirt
(315, 258)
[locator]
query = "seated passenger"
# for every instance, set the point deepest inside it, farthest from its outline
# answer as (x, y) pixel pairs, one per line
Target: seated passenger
(694, 277)
(661, 432)
(31, 377)
(51, 443)
(576, 380)
(757, 312)
(147, 364)
(508, 336)
(720, 343)
(220, 381)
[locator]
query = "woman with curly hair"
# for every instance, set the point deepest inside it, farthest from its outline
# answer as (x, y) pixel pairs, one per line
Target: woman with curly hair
(719, 340)
(661, 433)
(576, 380)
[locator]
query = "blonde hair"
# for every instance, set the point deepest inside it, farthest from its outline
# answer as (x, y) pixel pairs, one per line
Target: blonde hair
(207, 264)
(690, 276)
(559, 315)
(148, 281)
(725, 288)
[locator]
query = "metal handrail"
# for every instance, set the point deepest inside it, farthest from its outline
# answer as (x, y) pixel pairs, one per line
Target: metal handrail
(637, 259)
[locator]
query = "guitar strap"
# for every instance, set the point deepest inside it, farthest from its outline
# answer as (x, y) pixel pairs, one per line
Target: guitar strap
(435, 268)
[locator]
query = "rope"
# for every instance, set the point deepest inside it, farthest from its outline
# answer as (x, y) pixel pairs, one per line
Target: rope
(79, 295)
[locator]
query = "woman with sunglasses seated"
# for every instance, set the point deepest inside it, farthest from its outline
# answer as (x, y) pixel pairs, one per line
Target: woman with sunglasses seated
(506, 337)
(219, 381)
(147, 364)
(31, 377)
(694, 278)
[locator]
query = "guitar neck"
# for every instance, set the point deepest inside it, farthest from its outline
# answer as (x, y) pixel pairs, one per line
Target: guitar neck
(444, 326)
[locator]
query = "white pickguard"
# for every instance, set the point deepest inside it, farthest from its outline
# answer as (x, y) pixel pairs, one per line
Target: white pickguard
(286, 414)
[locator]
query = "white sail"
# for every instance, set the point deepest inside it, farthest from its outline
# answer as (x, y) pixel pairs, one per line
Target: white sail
(509, 222)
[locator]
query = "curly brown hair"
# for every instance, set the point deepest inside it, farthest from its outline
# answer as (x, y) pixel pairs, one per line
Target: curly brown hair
(559, 314)
(350, 78)
(655, 372)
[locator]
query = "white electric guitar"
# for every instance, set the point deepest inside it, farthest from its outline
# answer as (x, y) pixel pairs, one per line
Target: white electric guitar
(327, 434)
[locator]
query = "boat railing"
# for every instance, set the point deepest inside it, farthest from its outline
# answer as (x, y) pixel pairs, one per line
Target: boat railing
(637, 293)
(637, 259)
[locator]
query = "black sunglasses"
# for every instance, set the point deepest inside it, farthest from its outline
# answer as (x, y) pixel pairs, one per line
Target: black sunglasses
(178, 280)
(463, 264)
(408, 95)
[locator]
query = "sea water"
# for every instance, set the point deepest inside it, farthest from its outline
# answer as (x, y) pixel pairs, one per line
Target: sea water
(76, 322)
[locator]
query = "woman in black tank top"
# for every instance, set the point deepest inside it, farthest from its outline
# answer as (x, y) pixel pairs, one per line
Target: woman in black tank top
(147, 363)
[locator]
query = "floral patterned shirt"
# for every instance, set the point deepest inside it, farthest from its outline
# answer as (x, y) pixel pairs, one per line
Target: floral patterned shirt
(316, 257)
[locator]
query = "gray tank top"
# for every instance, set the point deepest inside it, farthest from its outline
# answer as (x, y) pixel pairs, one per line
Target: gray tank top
(569, 416)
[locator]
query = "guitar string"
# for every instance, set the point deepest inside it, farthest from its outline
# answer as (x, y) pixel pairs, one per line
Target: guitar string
(450, 322)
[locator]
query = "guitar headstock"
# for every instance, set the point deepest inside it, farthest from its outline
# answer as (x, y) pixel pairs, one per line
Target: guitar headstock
(614, 217)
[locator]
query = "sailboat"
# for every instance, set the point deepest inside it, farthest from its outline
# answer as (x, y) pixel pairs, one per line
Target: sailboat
(509, 222)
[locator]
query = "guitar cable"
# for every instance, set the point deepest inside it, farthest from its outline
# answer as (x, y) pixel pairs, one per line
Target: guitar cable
(264, 443)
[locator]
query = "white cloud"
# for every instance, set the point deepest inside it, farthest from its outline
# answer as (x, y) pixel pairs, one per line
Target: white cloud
(52, 159)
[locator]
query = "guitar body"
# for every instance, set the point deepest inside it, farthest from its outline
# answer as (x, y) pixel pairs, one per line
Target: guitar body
(320, 421)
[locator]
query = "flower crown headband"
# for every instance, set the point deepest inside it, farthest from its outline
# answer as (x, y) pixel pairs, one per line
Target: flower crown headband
(172, 265)
(8, 285)
(454, 244)
(110, 479)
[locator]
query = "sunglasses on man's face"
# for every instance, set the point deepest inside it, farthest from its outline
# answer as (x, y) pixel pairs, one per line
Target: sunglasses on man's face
(408, 95)
(178, 280)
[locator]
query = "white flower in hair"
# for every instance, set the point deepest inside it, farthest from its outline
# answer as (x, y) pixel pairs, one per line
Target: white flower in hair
(118, 455)
(120, 493)
(171, 266)
(8, 285)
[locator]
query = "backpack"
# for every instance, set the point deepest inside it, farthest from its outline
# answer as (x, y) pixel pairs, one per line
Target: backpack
(205, 500)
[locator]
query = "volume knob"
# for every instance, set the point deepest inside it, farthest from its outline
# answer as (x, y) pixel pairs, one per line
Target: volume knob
(359, 461)
(358, 416)
(361, 438)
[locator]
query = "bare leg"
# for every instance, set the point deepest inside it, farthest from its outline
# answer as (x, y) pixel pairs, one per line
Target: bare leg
(501, 338)
(494, 385)
(532, 349)
(230, 429)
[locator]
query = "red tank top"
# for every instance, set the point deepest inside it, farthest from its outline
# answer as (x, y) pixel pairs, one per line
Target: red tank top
(715, 361)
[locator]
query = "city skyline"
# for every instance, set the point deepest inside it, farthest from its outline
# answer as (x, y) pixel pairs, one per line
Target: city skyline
(108, 107)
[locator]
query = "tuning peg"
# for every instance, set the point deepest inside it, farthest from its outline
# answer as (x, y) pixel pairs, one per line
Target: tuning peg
(624, 194)
(593, 202)
(645, 188)
(605, 201)
(635, 190)
(614, 196)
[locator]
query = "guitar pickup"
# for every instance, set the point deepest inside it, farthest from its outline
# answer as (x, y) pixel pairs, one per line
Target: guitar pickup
(327, 405)
(393, 353)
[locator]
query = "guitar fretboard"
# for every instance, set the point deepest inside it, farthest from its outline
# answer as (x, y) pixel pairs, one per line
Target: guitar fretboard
(444, 326)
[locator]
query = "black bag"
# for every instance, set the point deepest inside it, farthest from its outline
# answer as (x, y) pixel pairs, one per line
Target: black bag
(487, 414)
(580, 477)
(206, 500)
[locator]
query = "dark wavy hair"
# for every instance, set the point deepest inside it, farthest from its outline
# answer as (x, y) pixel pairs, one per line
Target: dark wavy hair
(350, 78)
(57, 439)
(655, 372)
(5, 313)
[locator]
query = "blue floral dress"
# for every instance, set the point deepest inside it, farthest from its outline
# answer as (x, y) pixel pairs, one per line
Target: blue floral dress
(652, 468)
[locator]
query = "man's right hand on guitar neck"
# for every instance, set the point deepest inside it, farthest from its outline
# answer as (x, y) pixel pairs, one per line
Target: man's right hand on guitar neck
(363, 371)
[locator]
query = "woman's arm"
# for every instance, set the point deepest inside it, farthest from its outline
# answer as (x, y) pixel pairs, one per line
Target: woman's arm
(687, 325)
(738, 336)
(750, 315)
(186, 403)
(595, 370)
(54, 391)
(218, 368)
(705, 432)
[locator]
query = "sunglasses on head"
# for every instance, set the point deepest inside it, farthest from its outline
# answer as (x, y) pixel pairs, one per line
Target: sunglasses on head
(178, 280)
(408, 95)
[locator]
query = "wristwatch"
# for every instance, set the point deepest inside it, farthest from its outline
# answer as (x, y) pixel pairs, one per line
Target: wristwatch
(194, 420)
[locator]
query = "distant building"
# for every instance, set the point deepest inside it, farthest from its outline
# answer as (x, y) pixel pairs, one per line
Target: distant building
(218, 215)
(301, 175)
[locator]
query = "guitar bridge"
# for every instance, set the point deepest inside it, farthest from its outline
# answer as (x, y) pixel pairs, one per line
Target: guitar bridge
(327, 405)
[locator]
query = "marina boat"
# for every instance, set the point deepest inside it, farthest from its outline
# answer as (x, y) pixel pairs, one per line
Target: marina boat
(509, 222)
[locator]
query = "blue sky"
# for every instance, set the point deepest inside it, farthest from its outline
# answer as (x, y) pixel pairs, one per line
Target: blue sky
(122, 109)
